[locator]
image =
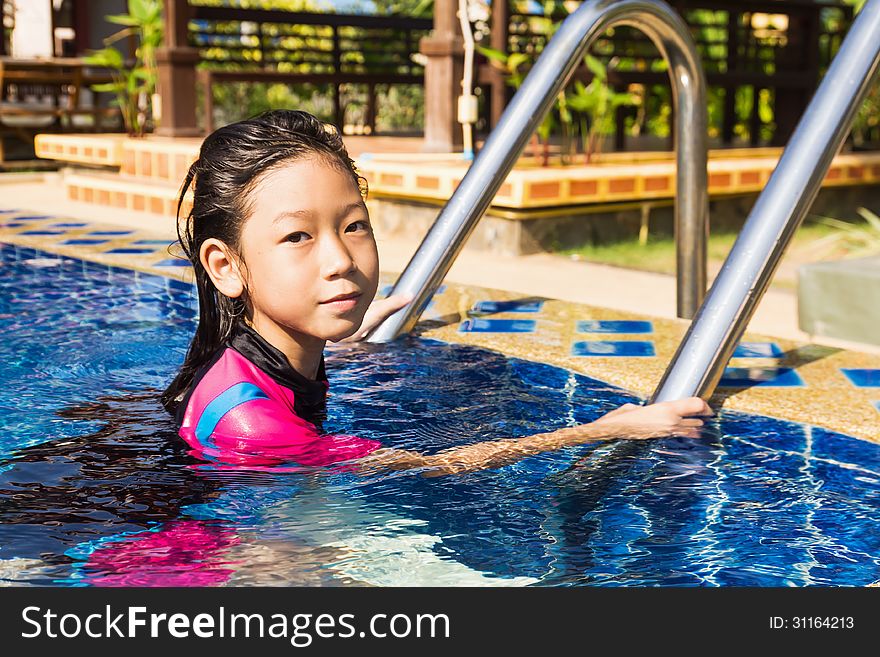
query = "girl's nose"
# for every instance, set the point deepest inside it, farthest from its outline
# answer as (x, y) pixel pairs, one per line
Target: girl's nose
(336, 259)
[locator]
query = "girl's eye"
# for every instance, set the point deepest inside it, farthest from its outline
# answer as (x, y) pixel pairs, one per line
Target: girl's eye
(357, 225)
(296, 238)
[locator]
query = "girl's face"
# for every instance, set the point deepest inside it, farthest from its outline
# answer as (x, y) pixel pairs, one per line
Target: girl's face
(309, 252)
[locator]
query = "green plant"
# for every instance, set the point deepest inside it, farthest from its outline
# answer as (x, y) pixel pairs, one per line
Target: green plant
(852, 240)
(587, 107)
(133, 83)
(596, 103)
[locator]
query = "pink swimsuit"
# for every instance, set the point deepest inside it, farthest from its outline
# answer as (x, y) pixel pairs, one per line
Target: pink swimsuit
(248, 406)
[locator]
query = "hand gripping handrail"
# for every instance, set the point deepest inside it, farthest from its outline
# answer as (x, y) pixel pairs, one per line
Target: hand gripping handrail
(547, 79)
(699, 362)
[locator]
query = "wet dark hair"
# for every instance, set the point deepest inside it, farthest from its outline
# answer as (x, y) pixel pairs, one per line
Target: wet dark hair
(232, 160)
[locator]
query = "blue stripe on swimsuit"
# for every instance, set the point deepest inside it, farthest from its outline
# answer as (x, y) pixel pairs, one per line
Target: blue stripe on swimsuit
(222, 404)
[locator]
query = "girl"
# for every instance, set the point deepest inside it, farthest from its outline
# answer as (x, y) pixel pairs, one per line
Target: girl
(284, 258)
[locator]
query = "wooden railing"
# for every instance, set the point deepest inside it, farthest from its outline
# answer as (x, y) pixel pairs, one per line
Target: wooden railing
(253, 45)
(740, 54)
(46, 95)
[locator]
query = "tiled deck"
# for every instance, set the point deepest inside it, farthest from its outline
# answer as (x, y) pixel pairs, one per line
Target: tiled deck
(151, 171)
(834, 388)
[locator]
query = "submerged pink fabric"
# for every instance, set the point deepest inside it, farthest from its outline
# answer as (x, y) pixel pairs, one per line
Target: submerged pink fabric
(258, 431)
(182, 553)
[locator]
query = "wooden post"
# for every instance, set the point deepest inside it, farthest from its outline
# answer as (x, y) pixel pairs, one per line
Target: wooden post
(176, 63)
(498, 41)
(444, 49)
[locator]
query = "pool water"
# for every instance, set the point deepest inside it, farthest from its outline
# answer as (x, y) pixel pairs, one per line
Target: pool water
(96, 488)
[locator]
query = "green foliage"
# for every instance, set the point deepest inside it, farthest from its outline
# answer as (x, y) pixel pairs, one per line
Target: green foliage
(133, 83)
(584, 109)
(596, 103)
(850, 239)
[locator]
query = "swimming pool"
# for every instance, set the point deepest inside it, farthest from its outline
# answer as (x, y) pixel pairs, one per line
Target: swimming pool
(96, 489)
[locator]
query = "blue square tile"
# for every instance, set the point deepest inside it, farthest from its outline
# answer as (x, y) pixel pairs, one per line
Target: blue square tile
(43, 232)
(69, 225)
(156, 242)
(127, 250)
(13, 224)
(614, 326)
(775, 377)
(110, 232)
(497, 326)
(607, 348)
(173, 262)
(84, 241)
(35, 217)
(757, 350)
(484, 307)
(862, 378)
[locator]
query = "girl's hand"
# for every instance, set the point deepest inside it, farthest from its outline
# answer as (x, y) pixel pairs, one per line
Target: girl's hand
(672, 418)
(378, 311)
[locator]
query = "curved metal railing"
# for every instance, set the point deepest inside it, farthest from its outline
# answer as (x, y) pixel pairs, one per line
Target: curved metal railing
(720, 322)
(547, 79)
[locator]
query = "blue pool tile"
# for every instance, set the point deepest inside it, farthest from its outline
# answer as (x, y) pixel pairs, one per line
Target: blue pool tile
(69, 225)
(13, 224)
(776, 377)
(110, 232)
(127, 250)
(757, 350)
(84, 241)
(35, 217)
(614, 326)
(172, 262)
(43, 232)
(845, 449)
(867, 378)
(507, 307)
(157, 242)
(497, 326)
(605, 348)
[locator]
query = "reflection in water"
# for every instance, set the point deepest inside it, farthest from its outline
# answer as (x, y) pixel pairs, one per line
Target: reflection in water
(96, 488)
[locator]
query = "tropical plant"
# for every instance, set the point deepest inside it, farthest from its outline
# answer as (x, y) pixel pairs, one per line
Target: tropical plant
(133, 82)
(853, 240)
(595, 103)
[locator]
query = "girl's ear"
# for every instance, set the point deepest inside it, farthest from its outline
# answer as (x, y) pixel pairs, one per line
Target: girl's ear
(223, 267)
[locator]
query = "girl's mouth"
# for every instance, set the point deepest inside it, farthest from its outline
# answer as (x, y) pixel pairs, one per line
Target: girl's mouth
(342, 303)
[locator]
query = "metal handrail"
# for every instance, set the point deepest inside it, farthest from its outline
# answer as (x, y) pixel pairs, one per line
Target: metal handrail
(547, 79)
(699, 362)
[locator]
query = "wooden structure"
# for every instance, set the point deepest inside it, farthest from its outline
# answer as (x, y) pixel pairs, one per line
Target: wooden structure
(34, 90)
(741, 44)
(280, 46)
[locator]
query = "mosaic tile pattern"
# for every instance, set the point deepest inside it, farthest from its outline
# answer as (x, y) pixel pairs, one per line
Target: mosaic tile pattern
(497, 326)
(491, 307)
(613, 348)
(742, 377)
(863, 378)
(757, 350)
(614, 326)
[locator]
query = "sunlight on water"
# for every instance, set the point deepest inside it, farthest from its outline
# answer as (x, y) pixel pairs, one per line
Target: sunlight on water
(96, 489)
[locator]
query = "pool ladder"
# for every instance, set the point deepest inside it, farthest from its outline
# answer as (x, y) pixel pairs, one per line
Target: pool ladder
(720, 319)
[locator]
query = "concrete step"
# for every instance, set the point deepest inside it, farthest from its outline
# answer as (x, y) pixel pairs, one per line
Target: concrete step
(841, 299)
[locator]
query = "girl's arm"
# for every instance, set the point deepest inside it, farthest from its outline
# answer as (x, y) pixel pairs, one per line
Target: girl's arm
(673, 418)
